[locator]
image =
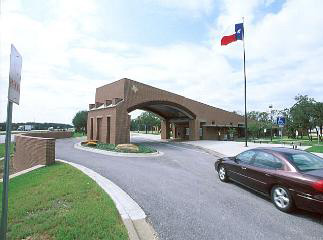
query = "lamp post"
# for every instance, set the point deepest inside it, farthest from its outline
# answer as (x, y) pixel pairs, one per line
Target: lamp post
(271, 122)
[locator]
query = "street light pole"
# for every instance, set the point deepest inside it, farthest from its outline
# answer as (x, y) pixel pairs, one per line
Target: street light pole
(245, 88)
(271, 122)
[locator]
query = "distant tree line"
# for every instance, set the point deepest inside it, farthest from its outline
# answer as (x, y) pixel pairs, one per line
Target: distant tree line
(147, 121)
(36, 125)
(303, 117)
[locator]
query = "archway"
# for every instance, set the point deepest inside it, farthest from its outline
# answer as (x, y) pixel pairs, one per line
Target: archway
(174, 117)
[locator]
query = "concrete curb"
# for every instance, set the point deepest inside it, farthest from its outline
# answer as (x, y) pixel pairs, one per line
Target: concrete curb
(24, 171)
(132, 215)
(117, 154)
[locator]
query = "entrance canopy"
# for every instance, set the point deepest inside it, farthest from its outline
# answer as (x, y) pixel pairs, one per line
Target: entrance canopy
(109, 120)
(166, 110)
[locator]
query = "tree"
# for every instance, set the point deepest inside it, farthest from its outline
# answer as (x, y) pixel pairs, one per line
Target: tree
(318, 117)
(146, 121)
(258, 122)
(80, 121)
(232, 133)
(302, 114)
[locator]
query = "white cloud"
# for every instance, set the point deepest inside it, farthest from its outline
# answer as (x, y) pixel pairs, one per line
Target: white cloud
(44, 47)
(196, 7)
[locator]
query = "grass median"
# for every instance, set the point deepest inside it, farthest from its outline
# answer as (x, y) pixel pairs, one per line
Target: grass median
(2, 149)
(60, 202)
(129, 148)
(317, 149)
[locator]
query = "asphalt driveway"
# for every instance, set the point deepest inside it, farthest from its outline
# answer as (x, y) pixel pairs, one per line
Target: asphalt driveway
(184, 199)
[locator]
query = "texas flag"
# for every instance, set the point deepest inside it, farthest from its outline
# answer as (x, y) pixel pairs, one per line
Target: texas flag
(234, 37)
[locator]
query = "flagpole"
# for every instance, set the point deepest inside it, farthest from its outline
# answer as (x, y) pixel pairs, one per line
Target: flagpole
(245, 88)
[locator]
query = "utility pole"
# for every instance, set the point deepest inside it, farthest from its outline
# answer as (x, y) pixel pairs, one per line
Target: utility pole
(271, 122)
(245, 88)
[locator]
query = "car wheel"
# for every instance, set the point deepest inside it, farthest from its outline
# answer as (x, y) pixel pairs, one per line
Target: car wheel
(222, 172)
(282, 199)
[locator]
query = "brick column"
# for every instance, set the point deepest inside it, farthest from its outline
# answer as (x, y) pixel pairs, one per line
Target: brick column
(174, 130)
(32, 151)
(165, 129)
(194, 126)
(122, 126)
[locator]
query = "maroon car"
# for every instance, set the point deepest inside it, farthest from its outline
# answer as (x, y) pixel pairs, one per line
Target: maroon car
(291, 178)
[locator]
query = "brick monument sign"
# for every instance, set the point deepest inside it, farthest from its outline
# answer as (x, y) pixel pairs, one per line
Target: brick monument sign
(109, 119)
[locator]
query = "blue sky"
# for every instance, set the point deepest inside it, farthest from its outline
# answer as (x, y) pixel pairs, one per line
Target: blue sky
(71, 47)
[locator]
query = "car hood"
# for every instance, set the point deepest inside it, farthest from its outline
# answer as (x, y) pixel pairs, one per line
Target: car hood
(315, 173)
(226, 159)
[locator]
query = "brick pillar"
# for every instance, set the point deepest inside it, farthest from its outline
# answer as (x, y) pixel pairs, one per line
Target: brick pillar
(89, 128)
(165, 129)
(194, 126)
(122, 127)
(32, 151)
(174, 130)
(128, 128)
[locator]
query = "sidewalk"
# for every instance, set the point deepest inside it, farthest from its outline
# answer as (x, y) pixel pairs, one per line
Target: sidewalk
(230, 148)
(226, 148)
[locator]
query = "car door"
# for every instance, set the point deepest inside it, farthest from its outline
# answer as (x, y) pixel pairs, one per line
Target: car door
(262, 171)
(238, 170)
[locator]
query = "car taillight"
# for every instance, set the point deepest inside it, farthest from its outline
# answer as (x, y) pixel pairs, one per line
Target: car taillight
(318, 185)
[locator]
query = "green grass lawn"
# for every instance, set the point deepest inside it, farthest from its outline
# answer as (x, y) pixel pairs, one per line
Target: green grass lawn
(2, 149)
(78, 134)
(317, 149)
(285, 140)
(60, 202)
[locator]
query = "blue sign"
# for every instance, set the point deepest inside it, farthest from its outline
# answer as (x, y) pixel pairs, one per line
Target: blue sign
(281, 120)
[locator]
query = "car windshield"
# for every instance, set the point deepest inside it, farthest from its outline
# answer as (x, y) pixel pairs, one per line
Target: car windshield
(306, 161)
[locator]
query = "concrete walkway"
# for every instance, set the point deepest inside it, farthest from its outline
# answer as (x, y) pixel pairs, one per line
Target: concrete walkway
(230, 148)
(225, 148)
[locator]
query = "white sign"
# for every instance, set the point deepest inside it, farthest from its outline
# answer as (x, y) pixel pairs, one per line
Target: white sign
(265, 130)
(14, 75)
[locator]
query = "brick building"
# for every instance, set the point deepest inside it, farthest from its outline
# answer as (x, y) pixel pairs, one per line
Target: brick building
(109, 119)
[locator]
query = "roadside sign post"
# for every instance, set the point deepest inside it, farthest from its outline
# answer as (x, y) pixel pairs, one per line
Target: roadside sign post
(13, 97)
(281, 121)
